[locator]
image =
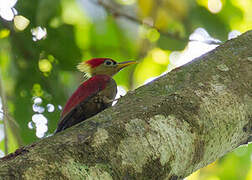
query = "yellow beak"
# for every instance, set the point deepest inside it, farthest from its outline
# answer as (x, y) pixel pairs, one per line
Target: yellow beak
(122, 65)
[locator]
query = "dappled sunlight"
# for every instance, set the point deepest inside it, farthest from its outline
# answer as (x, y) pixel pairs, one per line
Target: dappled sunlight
(150, 33)
(60, 107)
(40, 124)
(201, 43)
(38, 33)
(31, 125)
(37, 91)
(45, 65)
(160, 56)
(37, 100)
(7, 10)
(233, 34)
(201, 35)
(193, 50)
(21, 22)
(4, 33)
(214, 6)
(153, 65)
(36, 106)
(39, 120)
(120, 92)
(50, 107)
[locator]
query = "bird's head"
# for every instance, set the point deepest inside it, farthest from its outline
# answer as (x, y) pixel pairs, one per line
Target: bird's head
(104, 66)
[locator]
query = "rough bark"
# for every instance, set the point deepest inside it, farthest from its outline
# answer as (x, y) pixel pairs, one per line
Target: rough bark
(165, 130)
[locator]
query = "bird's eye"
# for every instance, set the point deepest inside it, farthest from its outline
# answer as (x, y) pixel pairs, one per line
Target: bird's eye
(109, 63)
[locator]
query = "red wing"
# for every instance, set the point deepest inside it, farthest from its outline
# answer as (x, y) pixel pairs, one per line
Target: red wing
(86, 90)
(80, 98)
(75, 116)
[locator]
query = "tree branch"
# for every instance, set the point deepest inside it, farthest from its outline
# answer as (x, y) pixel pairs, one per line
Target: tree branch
(118, 13)
(164, 130)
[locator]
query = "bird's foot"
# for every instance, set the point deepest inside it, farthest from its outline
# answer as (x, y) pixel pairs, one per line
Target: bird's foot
(98, 99)
(103, 99)
(107, 100)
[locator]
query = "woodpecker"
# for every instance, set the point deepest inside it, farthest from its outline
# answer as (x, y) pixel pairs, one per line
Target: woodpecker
(93, 95)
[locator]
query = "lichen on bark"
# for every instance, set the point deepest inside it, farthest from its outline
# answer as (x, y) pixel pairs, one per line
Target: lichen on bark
(164, 130)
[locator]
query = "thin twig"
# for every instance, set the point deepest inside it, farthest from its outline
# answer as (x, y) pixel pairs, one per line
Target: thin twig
(119, 13)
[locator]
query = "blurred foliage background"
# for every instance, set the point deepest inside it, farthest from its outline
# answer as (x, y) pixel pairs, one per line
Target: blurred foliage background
(41, 42)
